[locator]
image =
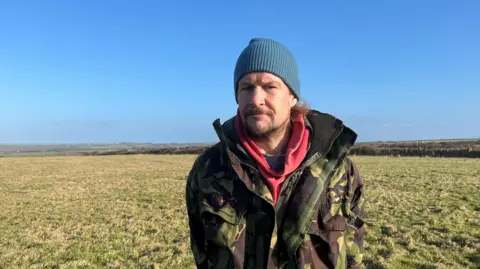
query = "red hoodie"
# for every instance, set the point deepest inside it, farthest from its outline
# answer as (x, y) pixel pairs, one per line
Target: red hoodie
(295, 153)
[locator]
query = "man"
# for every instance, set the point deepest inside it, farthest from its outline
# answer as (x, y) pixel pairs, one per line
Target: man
(277, 191)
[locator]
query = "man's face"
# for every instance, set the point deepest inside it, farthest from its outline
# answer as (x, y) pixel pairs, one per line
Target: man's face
(264, 102)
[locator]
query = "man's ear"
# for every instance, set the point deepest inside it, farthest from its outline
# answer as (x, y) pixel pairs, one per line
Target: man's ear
(293, 101)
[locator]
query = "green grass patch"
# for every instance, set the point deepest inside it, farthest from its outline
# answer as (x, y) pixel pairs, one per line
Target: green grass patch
(129, 212)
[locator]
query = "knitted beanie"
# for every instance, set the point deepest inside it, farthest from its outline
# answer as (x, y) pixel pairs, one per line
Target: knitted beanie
(267, 55)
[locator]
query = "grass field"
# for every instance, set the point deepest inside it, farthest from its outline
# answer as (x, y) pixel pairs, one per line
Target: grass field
(129, 212)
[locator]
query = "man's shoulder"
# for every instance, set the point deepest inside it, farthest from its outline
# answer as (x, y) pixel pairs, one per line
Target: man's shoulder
(352, 167)
(353, 173)
(211, 161)
(209, 157)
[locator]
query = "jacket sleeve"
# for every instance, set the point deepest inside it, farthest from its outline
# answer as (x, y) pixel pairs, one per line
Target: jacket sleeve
(197, 233)
(356, 211)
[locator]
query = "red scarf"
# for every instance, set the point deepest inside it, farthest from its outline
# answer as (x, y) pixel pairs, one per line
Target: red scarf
(296, 151)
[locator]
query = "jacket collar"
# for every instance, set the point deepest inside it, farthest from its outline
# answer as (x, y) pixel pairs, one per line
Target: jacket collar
(325, 131)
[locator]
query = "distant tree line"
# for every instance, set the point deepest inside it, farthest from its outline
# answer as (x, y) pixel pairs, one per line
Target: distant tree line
(455, 148)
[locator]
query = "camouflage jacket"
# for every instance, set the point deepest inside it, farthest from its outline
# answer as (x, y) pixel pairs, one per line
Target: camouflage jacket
(316, 223)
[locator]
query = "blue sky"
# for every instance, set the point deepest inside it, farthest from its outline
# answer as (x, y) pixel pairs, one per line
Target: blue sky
(147, 71)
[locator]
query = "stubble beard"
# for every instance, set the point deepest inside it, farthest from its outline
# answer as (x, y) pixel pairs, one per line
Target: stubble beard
(271, 131)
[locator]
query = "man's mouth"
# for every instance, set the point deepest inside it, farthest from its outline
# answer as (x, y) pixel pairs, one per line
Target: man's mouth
(258, 115)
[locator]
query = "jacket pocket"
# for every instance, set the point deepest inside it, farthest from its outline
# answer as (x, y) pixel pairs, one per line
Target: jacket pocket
(330, 230)
(324, 244)
(222, 225)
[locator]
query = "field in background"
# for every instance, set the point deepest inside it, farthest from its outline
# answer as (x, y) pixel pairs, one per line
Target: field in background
(128, 211)
(29, 150)
(467, 148)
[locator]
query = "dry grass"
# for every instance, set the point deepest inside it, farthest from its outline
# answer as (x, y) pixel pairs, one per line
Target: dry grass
(129, 212)
(425, 212)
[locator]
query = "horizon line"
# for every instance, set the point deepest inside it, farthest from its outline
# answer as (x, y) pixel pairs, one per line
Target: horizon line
(211, 143)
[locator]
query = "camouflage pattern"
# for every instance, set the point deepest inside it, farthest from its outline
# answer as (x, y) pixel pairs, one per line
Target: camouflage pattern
(316, 223)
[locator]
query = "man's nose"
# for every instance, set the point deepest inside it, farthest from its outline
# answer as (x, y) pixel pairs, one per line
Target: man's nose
(257, 96)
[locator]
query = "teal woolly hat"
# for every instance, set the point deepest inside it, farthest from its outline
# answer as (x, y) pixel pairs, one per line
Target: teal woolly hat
(267, 55)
